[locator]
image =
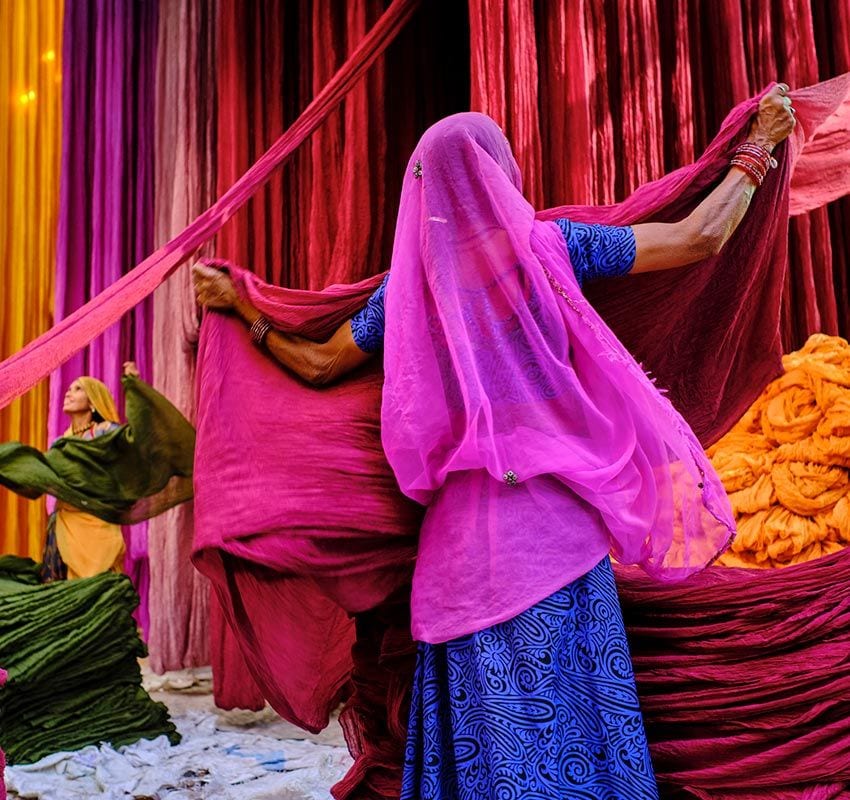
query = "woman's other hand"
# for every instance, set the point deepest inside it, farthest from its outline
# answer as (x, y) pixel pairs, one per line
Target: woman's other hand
(213, 288)
(775, 119)
(131, 370)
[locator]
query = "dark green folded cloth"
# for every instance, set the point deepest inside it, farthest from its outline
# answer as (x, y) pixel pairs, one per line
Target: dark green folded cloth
(71, 651)
(18, 570)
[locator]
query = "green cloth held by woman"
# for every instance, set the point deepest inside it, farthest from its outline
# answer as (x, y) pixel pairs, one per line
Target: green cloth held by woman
(131, 473)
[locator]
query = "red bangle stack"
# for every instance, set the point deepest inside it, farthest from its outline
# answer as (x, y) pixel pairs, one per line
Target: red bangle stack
(753, 159)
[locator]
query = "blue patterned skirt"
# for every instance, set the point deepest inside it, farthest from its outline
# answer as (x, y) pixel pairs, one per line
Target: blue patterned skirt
(541, 707)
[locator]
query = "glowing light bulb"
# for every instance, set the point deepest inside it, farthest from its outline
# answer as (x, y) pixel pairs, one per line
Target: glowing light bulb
(31, 95)
(24, 99)
(49, 56)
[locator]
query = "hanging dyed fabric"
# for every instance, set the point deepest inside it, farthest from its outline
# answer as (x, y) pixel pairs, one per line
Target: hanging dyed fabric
(30, 143)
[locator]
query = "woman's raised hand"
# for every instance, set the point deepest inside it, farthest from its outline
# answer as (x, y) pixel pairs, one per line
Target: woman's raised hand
(775, 119)
(213, 288)
(131, 370)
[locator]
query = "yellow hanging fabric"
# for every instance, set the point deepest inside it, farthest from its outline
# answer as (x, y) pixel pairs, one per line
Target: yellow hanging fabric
(30, 147)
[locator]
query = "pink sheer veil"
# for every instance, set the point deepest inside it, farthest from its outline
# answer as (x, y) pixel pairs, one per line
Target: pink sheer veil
(494, 360)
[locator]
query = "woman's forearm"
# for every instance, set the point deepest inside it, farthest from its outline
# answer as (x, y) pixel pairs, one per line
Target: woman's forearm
(705, 231)
(304, 357)
(318, 363)
(668, 245)
(718, 216)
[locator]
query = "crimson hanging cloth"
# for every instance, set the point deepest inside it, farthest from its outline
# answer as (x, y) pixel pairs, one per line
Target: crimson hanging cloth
(744, 679)
(20, 372)
(710, 332)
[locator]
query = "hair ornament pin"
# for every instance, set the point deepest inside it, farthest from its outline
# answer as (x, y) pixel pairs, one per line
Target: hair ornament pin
(417, 169)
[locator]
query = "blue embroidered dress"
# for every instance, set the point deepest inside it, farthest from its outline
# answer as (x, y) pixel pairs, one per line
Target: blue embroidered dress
(543, 706)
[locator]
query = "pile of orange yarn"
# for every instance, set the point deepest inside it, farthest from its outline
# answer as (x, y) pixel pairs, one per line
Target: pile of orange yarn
(786, 464)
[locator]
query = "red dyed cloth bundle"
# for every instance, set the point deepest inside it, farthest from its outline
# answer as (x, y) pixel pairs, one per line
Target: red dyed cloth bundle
(744, 679)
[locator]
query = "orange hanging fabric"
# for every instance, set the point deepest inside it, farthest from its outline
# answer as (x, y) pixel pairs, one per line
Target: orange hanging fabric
(30, 141)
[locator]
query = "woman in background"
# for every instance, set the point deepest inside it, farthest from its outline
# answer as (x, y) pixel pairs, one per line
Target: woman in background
(104, 473)
(79, 544)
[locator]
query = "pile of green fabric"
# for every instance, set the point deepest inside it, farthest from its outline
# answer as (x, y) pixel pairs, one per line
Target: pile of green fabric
(71, 650)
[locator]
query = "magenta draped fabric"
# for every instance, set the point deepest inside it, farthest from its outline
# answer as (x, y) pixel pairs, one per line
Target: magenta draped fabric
(329, 213)
(307, 571)
(106, 201)
(495, 365)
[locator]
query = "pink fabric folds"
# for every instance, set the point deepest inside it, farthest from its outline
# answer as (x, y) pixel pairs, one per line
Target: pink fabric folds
(822, 172)
(298, 520)
(744, 679)
(495, 365)
(710, 333)
(179, 632)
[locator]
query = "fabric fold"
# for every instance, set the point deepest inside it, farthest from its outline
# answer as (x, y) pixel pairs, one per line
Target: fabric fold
(291, 567)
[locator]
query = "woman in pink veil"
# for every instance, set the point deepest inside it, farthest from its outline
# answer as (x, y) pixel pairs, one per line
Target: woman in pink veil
(537, 446)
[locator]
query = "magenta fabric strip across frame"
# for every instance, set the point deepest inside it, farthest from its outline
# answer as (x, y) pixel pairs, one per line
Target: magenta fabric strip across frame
(19, 373)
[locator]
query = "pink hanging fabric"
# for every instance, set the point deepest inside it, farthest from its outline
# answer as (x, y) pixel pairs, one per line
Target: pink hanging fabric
(821, 174)
(20, 372)
(348, 559)
(178, 635)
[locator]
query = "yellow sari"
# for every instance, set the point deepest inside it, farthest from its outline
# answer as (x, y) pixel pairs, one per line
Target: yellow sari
(87, 544)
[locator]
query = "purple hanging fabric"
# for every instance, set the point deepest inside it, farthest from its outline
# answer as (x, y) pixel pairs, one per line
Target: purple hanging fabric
(106, 199)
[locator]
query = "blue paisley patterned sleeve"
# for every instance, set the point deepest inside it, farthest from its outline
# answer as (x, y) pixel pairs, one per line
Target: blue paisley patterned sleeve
(598, 251)
(367, 325)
